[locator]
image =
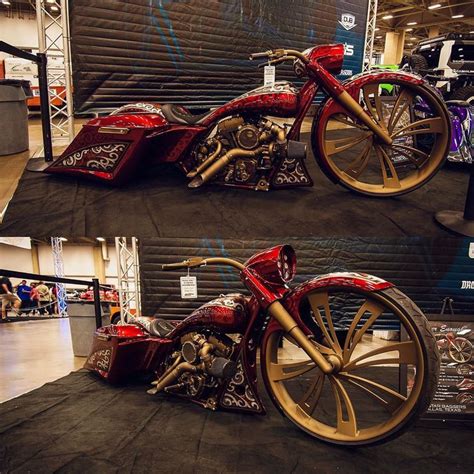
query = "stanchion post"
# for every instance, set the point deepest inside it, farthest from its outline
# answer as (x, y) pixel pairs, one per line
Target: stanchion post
(458, 221)
(44, 106)
(97, 307)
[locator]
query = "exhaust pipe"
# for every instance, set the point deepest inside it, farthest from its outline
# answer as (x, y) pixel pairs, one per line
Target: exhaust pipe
(221, 163)
(206, 162)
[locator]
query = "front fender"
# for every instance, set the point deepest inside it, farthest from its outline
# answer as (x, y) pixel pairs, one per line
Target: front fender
(294, 298)
(347, 279)
(353, 84)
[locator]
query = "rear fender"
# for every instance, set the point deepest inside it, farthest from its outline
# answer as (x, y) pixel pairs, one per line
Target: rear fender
(121, 352)
(109, 148)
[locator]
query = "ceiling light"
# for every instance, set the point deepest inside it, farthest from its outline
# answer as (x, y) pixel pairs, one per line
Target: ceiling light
(387, 17)
(100, 239)
(378, 37)
(413, 38)
(50, 1)
(457, 16)
(409, 29)
(6, 2)
(63, 239)
(377, 29)
(433, 7)
(54, 8)
(412, 23)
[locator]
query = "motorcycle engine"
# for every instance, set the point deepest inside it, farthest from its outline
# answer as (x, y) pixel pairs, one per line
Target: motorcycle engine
(208, 359)
(258, 144)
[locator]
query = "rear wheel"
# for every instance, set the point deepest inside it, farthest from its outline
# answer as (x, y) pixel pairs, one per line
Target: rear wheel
(414, 117)
(362, 402)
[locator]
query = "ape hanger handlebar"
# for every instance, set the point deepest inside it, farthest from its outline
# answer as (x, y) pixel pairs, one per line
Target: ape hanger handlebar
(276, 56)
(194, 262)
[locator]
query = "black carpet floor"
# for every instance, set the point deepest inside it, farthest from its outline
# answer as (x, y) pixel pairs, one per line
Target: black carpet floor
(158, 203)
(80, 424)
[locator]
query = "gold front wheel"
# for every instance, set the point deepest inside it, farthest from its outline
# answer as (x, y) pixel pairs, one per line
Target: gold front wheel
(414, 117)
(385, 378)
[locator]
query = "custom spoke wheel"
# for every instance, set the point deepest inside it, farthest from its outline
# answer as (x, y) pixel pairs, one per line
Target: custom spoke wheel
(362, 402)
(414, 117)
(460, 350)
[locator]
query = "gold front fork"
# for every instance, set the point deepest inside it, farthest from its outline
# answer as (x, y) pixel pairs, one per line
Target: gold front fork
(277, 310)
(354, 107)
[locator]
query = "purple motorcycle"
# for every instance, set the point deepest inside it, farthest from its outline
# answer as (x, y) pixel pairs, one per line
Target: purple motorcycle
(462, 125)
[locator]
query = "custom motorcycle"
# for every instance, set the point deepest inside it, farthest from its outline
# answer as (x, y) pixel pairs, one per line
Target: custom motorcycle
(321, 363)
(455, 346)
(368, 143)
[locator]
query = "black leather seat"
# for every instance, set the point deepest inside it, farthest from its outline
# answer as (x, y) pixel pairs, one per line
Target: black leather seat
(160, 327)
(177, 114)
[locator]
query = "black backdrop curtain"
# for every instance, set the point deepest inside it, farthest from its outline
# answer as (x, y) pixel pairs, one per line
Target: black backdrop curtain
(196, 51)
(427, 270)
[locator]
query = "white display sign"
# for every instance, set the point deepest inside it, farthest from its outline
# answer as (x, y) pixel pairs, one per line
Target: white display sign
(471, 249)
(188, 287)
(269, 76)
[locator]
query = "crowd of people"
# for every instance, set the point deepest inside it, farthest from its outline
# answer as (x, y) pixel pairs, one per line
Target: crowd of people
(34, 299)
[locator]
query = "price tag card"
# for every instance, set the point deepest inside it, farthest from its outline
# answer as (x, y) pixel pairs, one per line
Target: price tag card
(269, 76)
(189, 288)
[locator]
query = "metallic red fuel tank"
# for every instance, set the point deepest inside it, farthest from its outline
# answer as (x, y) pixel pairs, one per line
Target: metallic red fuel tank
(228, 313)
(279, 100)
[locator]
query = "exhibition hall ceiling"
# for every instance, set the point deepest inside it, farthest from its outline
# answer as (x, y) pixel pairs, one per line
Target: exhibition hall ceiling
(417, 17)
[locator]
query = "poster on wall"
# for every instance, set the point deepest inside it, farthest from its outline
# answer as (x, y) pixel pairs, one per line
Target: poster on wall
(454, 397)
(455, 393)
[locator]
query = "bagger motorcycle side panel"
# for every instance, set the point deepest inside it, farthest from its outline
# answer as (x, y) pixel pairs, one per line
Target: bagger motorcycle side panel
(317, 344)
(371, 144)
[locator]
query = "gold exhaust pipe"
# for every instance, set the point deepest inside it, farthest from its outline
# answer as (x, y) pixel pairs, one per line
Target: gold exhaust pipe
(217, 166)
(206, 162)
(171, 376)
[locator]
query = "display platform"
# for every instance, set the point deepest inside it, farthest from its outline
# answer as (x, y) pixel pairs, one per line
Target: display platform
(80, 424)
(158, 203)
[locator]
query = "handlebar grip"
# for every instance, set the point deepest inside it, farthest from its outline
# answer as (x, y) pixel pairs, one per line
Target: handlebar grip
(173, 266)
(263, 54)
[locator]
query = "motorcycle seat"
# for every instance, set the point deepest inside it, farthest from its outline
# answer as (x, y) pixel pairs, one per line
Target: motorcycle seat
(178, 114)
(160, 327)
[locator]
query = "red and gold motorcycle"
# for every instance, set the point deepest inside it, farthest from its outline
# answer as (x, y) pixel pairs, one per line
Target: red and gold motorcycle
(323, 364)
(370, 142)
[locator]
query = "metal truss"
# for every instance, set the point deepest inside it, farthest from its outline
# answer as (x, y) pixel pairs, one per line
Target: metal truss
(54, 41)
(128, 272)
(369, 34)
(57, 246)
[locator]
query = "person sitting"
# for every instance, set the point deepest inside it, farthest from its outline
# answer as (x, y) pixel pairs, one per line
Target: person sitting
(8, 297)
